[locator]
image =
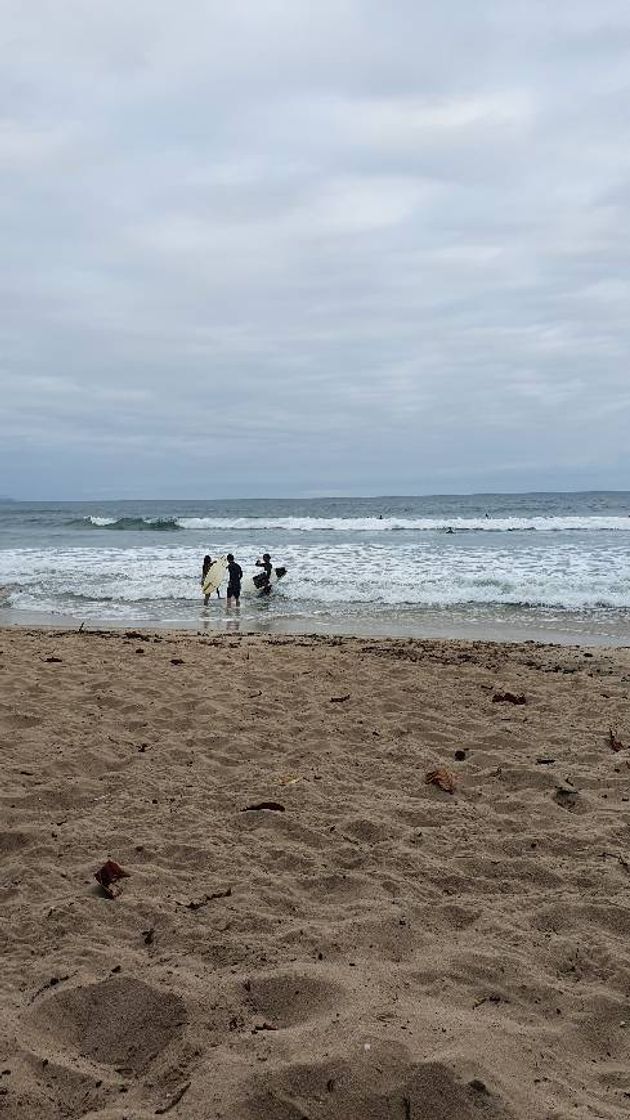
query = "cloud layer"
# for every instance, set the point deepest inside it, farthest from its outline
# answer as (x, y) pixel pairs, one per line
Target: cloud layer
(289, 247)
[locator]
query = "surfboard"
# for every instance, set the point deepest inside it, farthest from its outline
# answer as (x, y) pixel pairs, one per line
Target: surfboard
(214, 576)
(254, 584)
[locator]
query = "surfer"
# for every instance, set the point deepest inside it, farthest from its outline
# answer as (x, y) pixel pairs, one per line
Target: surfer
(205, 568)
(235, 575)
(268, 567)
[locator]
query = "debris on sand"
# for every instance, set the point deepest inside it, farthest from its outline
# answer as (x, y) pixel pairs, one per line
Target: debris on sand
(614, 741)
(196, 904)
(509, 698)
(442, 778)
(272, 806)
(108, 878)
(567, 798)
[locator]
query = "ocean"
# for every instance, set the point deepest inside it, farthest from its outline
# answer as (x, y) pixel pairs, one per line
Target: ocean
(549, 567)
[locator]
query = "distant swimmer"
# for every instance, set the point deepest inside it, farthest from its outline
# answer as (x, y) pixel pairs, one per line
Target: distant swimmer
(268, 568)
(235, 574)
(449, 530)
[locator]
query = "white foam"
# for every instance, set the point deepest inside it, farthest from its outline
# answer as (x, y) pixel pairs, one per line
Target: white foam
(404, 524)
(386, 574)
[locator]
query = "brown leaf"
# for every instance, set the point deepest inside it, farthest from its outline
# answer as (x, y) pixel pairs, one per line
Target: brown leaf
(441, 778)
(107, 877)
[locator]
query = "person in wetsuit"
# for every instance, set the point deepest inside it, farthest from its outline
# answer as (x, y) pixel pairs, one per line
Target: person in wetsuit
(235, 575)
(205, 568)
(268, 568)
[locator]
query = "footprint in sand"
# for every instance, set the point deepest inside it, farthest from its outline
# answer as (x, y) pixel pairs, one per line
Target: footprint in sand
(119, 1022)
(289, 999)
(374, 1081)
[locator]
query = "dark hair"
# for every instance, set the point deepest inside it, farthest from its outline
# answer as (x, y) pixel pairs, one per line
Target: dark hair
(230, 557)
(266, 556)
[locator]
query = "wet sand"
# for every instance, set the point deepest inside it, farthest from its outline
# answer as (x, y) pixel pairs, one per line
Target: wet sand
(366, 946)
(473, 624)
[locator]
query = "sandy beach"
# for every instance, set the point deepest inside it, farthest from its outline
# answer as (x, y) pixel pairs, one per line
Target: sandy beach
(308, 928)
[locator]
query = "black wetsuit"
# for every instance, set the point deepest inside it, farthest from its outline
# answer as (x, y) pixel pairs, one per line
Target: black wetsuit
(263, 582)
(236, 575)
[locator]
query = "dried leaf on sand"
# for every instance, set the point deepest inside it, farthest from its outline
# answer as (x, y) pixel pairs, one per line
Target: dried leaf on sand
(108, 877)
(441, 778)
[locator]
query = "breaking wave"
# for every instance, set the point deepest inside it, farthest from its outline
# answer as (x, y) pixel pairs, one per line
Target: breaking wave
(129, 524)
(357, 524)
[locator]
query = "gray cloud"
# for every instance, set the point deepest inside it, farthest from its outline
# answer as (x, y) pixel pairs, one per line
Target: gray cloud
(287, 247)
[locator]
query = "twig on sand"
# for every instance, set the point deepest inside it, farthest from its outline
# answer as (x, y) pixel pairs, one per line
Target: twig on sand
(272, 806)
(196, 904)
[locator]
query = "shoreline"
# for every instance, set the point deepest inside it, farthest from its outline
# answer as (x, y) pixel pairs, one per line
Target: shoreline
(451, 627)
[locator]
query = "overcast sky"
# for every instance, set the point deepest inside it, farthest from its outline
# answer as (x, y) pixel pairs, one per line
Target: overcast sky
(282, 247)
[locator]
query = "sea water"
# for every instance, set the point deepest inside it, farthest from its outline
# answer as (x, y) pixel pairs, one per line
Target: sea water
(547, 566)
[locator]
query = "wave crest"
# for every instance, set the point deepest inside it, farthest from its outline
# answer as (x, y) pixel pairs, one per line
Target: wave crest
(404, 524)
(129, 524)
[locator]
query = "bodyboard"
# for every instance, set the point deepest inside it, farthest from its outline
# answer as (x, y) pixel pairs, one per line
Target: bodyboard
(254, 584)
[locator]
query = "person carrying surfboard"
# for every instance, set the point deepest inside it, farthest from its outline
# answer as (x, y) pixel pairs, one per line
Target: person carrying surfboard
(267, 565)
(234, 585)
(205, 568)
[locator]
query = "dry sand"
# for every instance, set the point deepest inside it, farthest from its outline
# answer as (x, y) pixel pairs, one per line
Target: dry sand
(380, 949)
